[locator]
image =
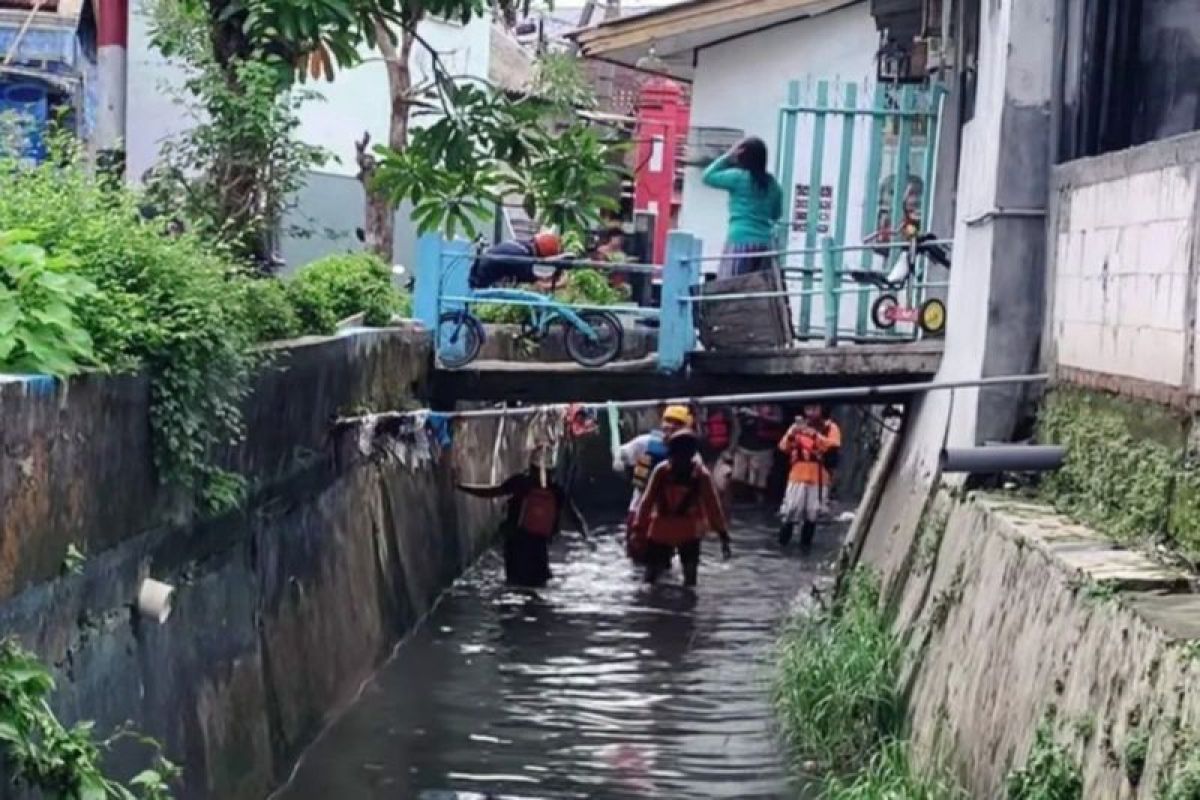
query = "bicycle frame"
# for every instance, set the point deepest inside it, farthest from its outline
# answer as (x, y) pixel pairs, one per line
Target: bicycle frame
(543, 310)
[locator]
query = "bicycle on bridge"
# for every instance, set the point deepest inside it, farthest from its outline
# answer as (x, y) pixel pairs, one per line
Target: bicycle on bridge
(888, 309)
(592, 337)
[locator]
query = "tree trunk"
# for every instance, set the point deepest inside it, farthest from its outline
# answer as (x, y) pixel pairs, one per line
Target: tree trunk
(379, 231)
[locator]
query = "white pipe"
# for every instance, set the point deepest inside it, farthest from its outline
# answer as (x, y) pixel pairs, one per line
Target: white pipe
(814, 395)
(155, 600)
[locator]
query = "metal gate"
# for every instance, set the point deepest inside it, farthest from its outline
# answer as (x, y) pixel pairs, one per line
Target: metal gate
(841, 147)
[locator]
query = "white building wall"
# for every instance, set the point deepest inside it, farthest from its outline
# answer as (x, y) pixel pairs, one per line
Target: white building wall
(332, 206)
(1123, 249)
(356, 101)
(743, 82)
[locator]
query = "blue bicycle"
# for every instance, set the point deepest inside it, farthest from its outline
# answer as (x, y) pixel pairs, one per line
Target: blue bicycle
(592, 338)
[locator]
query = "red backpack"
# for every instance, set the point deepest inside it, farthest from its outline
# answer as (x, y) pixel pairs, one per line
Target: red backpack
(718, 431)
(539, 512)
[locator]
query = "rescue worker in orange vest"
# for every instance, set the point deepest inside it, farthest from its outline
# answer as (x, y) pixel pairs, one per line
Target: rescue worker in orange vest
(811, 445)
(642, 454)
(533, 517)
(679, 506)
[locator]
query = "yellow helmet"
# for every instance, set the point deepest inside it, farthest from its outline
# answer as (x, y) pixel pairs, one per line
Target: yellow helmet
(678, 415)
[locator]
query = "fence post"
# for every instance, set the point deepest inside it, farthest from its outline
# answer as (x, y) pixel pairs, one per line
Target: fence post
(677, 327)
(830, 284)
(427, 283)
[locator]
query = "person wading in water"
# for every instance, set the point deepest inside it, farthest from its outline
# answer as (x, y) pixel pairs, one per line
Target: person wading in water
(812, 445)
(642, 454)
(533, 517)
(679, 506)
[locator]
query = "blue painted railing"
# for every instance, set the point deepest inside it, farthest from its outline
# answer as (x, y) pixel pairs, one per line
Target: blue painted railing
(443, 267)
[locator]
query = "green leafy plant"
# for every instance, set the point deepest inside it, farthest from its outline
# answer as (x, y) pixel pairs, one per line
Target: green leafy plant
(890, 773)
(337, 287)
(1182, 780)
(1137, 748)
(270, 314)
(1049, 772)
(40, 330)
(61, 763)
(836, 692)
(163, 305)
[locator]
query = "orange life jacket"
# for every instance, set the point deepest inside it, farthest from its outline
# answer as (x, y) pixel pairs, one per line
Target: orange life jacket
(654, 454)
(539, 512)
(717, 430)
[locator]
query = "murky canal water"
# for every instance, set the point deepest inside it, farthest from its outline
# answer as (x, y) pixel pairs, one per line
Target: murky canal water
(594, 688)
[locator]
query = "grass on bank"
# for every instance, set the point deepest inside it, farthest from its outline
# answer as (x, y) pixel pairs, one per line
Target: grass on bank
(839, 704)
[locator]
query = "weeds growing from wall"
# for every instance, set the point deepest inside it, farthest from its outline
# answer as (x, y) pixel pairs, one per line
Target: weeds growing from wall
(1127, 472)
(1049, 771)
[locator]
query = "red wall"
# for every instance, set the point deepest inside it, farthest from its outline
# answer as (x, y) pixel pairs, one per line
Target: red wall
(662, 125)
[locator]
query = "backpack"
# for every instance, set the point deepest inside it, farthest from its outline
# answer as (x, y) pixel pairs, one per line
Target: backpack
(717, 429)
(539, 512)
(655, 454)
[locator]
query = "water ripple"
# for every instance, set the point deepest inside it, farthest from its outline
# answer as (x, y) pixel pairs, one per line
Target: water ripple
(594, 688)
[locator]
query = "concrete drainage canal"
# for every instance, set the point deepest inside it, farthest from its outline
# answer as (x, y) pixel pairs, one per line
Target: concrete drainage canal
(596, 687)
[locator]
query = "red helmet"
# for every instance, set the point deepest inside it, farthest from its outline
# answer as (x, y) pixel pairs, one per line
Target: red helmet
(546, 244)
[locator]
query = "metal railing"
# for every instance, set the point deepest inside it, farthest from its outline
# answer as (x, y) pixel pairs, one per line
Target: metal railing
(443, 270)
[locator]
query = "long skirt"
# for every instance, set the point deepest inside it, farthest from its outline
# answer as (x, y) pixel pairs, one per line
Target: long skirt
(742, 259)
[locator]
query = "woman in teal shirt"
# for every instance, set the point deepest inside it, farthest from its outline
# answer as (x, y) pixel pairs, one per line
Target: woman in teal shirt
(755, 206)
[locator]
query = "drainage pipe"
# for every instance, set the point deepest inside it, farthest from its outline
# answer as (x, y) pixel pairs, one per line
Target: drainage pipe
(1003, 458)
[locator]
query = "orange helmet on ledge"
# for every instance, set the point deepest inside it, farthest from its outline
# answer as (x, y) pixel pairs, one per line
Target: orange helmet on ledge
(546, 244)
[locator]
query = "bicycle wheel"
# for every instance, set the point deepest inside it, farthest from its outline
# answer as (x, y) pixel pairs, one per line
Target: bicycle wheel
(459, 339)
(597, 350)
(933, 316)
(883, 311)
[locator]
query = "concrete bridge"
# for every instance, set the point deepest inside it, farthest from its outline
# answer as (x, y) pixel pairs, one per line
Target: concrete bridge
(761, 346)
(705, 373)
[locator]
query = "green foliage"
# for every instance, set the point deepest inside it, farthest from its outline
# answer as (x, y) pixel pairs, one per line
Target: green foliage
(1136, 750)
(560, 81)
(162, 305)
(485, 146)
(1125, 472)
(336, 287)
(836, 693)
(40, 331)
(232, 176)
(891, 774)
(1183, 780)
(270, 314)
(1049, 773)
(579, 286)
(60, 763)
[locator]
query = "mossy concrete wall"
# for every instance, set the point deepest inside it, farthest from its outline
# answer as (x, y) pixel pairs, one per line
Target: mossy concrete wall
(1131, 468)
(283, 608)
(1013, 613)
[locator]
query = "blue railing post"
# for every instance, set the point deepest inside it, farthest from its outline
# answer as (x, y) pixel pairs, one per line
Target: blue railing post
(427, 283)
(830, 283)
(677, 327)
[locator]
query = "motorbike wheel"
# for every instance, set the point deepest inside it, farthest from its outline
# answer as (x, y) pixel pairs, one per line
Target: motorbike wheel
(606, 345)
(459, 339)
(933, 316)
(882, 311)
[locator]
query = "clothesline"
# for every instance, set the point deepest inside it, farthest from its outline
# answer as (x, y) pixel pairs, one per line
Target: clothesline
(881, 391)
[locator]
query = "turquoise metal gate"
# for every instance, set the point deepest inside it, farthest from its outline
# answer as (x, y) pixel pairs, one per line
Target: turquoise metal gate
(863, 137)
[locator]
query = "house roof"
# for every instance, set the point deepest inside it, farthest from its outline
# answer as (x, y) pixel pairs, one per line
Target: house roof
(676, 32)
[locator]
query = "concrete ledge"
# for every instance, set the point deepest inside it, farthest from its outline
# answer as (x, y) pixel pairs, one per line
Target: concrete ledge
(1079, 550)
(1178, 150)
(918, 359)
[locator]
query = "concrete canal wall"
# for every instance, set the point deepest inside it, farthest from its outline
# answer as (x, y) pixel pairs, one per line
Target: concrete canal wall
(284, 607)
